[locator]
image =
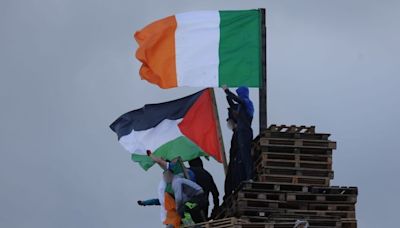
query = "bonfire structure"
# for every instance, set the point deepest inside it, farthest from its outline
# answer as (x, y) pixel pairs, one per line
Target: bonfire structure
(293, 170)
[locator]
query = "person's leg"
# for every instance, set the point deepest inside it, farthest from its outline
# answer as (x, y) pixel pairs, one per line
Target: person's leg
(198, 214)
(239, 175)
(228, 180)
(205, 210)
(245, 139)
(203, 206)
(248, 163)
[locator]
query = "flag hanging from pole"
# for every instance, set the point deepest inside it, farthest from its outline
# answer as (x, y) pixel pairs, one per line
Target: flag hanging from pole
(186, 127)
(202, 49)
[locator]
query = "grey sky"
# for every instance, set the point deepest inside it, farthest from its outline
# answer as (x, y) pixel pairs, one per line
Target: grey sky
(67, 71)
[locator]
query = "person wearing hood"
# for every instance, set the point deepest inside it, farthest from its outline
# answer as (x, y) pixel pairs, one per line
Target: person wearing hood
(242, 112)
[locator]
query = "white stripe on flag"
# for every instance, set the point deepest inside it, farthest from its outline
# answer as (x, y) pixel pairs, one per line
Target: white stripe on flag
(151, 139)
(197, 48)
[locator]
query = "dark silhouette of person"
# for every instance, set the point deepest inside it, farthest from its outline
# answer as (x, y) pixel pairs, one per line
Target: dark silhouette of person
(206, 181)
(241, 111)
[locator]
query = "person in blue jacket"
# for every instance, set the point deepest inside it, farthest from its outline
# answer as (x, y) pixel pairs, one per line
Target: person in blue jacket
(242, 113)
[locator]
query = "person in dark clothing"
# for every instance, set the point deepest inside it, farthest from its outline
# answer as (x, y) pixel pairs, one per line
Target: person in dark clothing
(232, 179)
(206, 181)
(242, 113)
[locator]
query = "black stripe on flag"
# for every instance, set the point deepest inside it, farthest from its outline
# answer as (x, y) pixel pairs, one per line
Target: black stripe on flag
(152, 114)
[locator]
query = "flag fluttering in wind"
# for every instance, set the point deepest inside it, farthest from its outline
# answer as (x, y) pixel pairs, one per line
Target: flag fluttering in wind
(202, 49)
(186, 127)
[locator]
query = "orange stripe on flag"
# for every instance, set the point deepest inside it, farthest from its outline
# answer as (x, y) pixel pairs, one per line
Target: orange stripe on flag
(156, 51)
(172, 217)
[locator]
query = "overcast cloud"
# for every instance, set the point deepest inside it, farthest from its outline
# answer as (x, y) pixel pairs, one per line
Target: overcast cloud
(67, 70)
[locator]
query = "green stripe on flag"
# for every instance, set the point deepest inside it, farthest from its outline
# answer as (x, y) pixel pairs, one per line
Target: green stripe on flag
(240, 48)
(179, 147)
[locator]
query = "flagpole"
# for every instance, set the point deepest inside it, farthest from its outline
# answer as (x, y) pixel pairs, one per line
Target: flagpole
(263, 87)
(219, 132)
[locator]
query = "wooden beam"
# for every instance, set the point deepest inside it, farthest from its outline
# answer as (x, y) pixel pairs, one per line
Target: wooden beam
(263, 88)
(219, 132)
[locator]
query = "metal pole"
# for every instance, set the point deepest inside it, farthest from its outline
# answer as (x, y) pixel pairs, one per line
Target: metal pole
(263, 87)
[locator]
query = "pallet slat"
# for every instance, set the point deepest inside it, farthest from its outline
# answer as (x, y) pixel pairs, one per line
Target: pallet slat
(305, 143)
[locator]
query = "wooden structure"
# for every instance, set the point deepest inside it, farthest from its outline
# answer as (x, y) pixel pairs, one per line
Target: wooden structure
(293, 170)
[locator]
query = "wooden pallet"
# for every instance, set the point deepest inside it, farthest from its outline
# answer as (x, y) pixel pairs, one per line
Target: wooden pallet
(220, 223)
(294, 164)
(331, 207)
(295, 157)
(317, 221)
(292, 150)
(349, 223)
(296, 205)
(300, 180)
(291, 217)
(256, 203)
(295, 171)
(291, 129)
(264, 200)
(297, 143)
(267, 187)
(341, 214)
(253, 211)
(317, 199)
(266, 212)
(266, 225)
(314, 221)
(334, 190)
(287, 217)
(272, 195)
(321, 198)
(324, 218)
(292, 161)
(261, 188)
(294, 135)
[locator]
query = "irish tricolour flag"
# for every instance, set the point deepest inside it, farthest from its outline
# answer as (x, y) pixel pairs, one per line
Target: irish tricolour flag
(186, 127)
(202, 49)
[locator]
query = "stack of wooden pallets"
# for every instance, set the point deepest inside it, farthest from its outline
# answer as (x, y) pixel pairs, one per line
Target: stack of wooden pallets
(293, 172)
(270, 202)
(294, 155)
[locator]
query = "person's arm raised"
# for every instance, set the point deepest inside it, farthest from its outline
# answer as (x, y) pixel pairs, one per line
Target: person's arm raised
(231, 96)
(163, 164)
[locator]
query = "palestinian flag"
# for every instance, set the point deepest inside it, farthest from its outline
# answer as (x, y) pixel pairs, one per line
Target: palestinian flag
(186, 127)
(202, 49)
